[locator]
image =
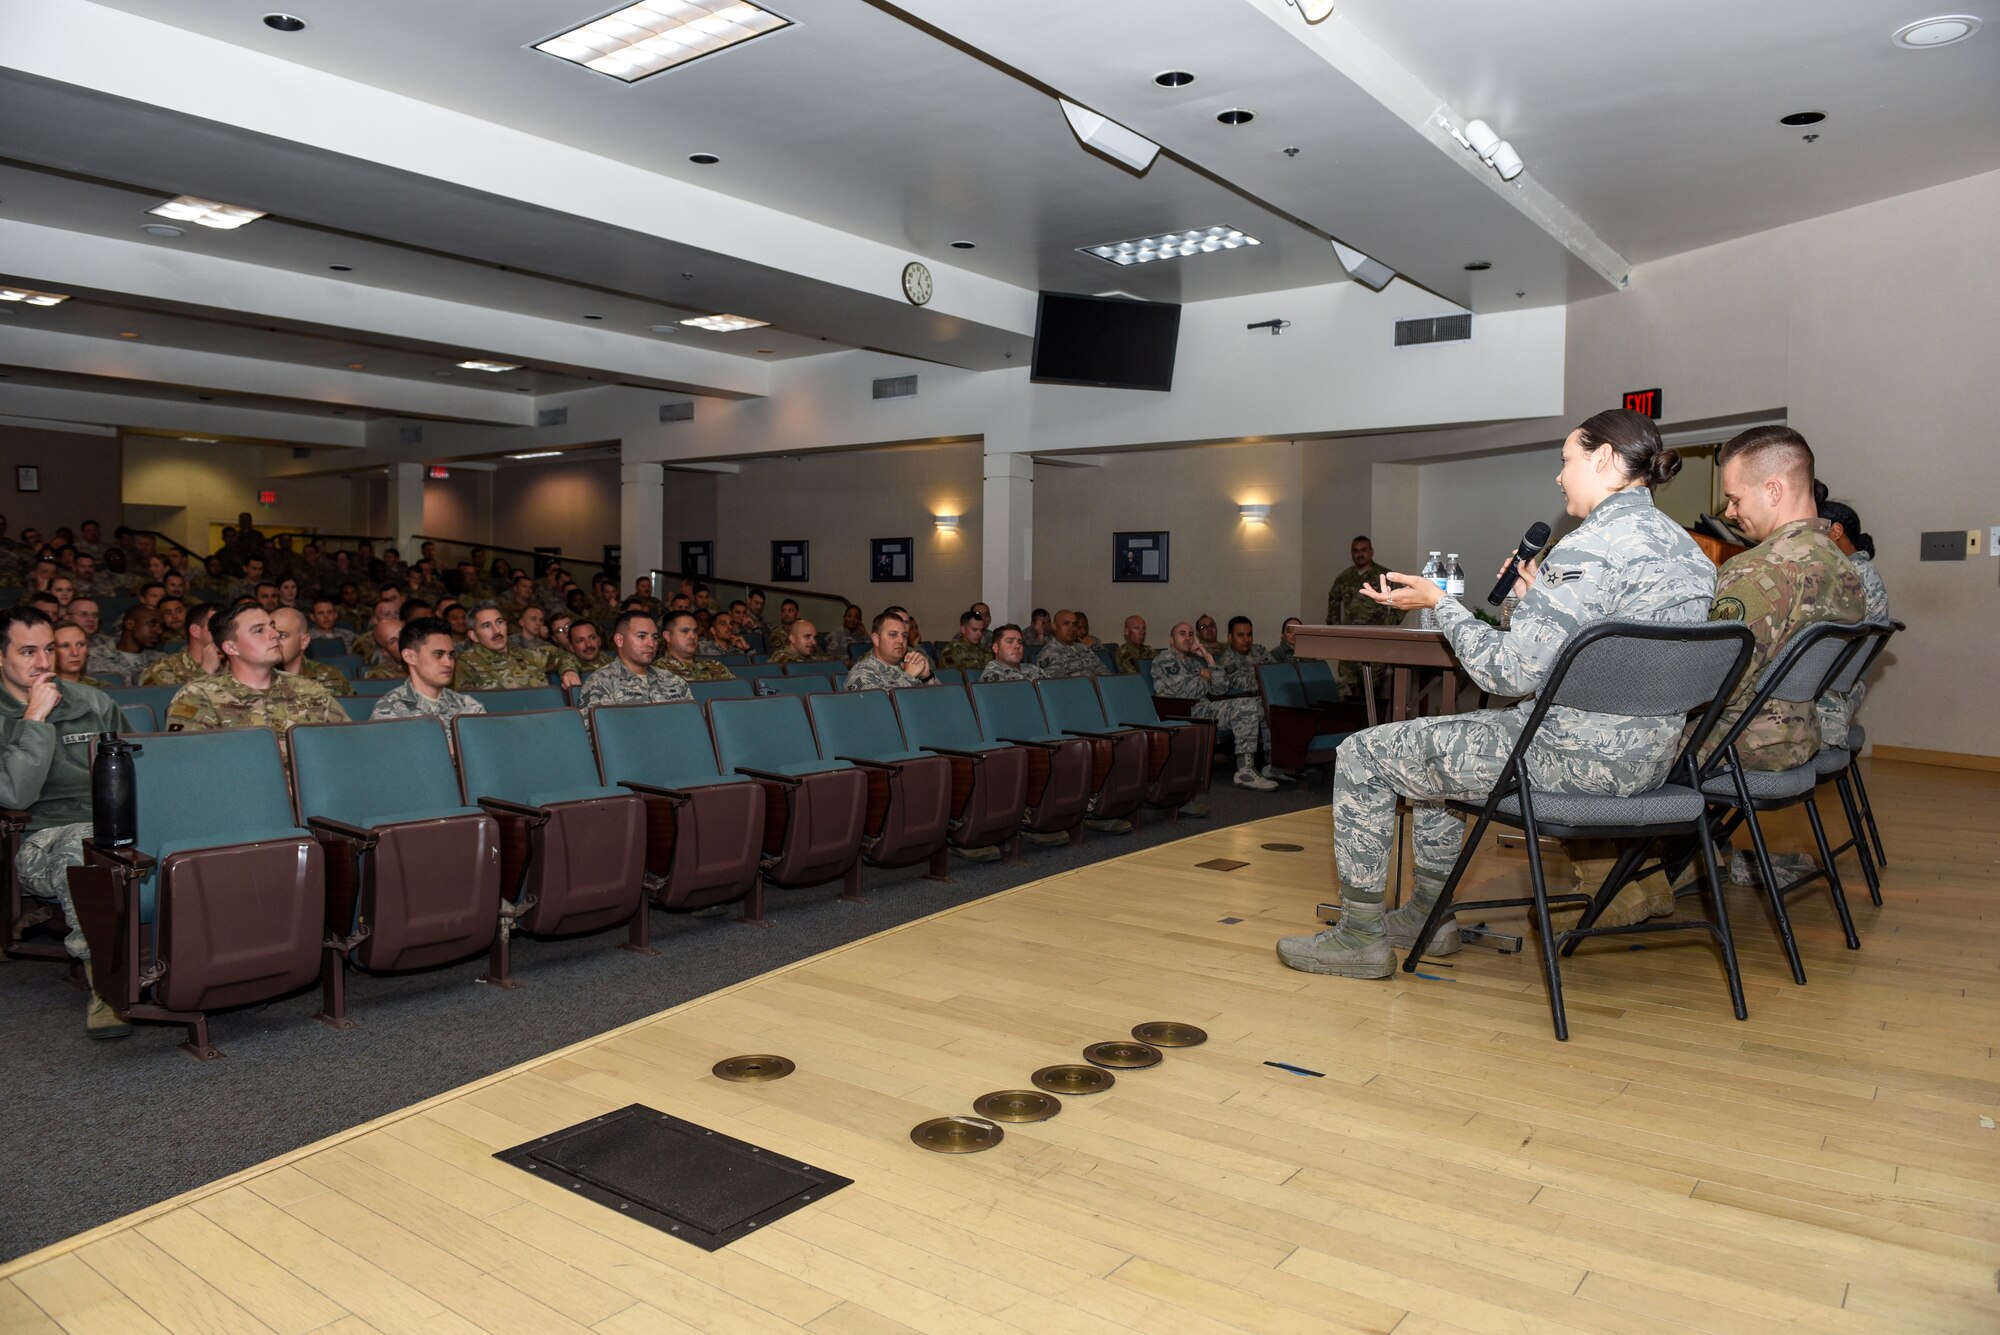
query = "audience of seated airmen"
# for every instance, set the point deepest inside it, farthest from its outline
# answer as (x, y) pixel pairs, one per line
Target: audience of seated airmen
(850, 632)
(680, 651)
(46, 728)
(801, 645)
(1286, 650)
(198, 659)
(250, 691)
(1239, 660)
(1066, 655)
(968, 652)
(292, 640)
(891, 664)
(430, 662)
(72, 651)
(586, 645)
(631, 678)
(84, 612)
(533, 634)
(1010, 657)
(136, 648)
(491, 665)
(788, 612)
(1039, 632)
(1133, 649)
(326, 624)
(1184, 670)
(1835, 712)
(1205, 636)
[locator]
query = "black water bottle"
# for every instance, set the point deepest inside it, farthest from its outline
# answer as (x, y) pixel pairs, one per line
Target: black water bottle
(114, 793)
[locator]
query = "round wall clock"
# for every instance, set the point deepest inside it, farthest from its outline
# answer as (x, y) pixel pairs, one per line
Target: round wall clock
(917, 283)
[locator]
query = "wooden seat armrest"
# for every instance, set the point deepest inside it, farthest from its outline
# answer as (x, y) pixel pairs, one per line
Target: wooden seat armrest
(958, 751)
(1100, 734)
(886, 766)
(654, 790)
(500, 806)
(1043, 745)
(128, 860)
(771, 776)
(12, 821)
(340, 829)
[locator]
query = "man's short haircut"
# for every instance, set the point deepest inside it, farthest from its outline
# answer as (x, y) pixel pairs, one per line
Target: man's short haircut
(966, 618)
(626, 618)
(1769, 450)
(1291, 621)
(998, 631)
(702, 588)
(201, 613)
(222, 627)
(417, 630)
(886, 615)
(319, 598)
(44, 598)
(416, 607)
(668, 622)
(1038, 612)
(1234, 622)
(444, 608)
(738, 602)
(152, 584)
(634, 604)
(20, 616)
(789, 602)
(136, 612)
(755, 592)
(264, 584)
(1359, 537)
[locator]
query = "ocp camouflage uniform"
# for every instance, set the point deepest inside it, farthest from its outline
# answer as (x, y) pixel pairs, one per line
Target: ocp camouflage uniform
(1178, 677)
(115, 662)
(1130, 656)
(1236, 674)
(791, 655)
(45, 771)
(618, 684)
(999, 671)
(1836, 713)
(326, 675)
(694, 669)
(962, 653)
(221, 701)
(555, 658)
(406, 701)
(483, 669)
(1789, 581)
(383, 669)
(1069, 660)
(173, 670)
(872, 674)
(1627, 561)
(1346, 605)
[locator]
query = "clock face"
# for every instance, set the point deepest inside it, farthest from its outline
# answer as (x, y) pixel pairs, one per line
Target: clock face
(917, 283)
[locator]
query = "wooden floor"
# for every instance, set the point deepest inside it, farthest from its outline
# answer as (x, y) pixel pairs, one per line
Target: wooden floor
(1832, 1165)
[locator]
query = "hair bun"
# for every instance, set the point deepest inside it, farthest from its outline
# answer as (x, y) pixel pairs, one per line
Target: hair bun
(1665, 465)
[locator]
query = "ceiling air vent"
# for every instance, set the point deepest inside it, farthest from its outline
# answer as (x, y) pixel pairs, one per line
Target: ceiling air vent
(677, 412)
(409, 435)
(552, 417)
(1433, 329)
(896, 387)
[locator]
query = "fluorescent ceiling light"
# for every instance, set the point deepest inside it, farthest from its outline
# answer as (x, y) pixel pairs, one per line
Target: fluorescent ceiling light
(1171, 245)
(656, 35)
(1109, 137)
(536, 454)
(725, 324)
(495, 367)
(32, 297)
(206, 213)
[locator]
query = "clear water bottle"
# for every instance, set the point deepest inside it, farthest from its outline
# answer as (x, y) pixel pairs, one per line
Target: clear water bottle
(1435, 573)
(1455, 577)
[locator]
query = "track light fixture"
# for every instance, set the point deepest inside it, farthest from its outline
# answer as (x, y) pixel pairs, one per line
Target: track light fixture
(1313, 11)
(1480, 140)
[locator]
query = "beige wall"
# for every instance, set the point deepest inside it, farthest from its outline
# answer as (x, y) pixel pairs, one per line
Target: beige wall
(691, 517)
(181, 487)
(78, 476)
(461, 506)
(838, 502)
(573, 506)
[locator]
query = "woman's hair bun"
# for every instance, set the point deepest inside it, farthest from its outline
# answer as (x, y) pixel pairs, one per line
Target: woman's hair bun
(1665, 464)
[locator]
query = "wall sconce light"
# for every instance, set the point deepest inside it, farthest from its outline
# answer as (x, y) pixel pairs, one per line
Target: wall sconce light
(1254, 514)
(946, 523)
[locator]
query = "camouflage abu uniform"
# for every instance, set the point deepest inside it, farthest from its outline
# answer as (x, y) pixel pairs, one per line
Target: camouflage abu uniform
(45, 771)
(963, 654)
(113, 662)
(221, 701)
(483, 669)
(1785, 583)
(1236, 674)
(1178, 677)
(1131, 655)
(872, 674)
(999, 671)
(1346, 605)
(1836, 713)
(406, 701)
(1069, 660)
(1627, 561)
(618, 684)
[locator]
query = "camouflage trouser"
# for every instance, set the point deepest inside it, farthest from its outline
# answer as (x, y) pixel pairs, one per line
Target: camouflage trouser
(42, 863)
(1242, 719)
(1836, 712)
(1429, 761)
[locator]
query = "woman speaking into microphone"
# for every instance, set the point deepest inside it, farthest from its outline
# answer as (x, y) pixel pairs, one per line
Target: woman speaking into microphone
(1626, 561)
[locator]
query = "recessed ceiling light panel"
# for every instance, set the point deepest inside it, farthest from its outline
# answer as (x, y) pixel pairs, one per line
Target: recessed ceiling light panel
(1803, 118)
(206, 213)
(285, 22)
(536, 454)
(1236, 116)
(1173, 78)
(1171, 245)
(1943, 30)
(725, 324)
(30, 297)
(640, 40)
(493, 367)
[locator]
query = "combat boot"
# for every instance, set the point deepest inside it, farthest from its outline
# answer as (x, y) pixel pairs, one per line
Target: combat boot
(1248, 777)
(1195, 806)
(99, 1020)
(1635, 901)
(1401, 925)
(1354, 948)
(978, 853)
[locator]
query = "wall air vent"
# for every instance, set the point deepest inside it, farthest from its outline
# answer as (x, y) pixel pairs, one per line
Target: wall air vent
(1433, 329)
(552, 417)
(677, 412)
(896, 387)
(409, 435)
(301, 452)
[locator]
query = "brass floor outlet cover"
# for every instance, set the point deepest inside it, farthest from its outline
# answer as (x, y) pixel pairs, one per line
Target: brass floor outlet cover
(957, 1135)
(754, 1069)
(1073, 1079)
(1122, 1054)
(1017, 1105)
(1170, 1034)
(1283, 848)
(1221, 864)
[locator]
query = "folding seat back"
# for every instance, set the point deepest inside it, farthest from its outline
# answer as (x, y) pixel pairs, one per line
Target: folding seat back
(989, 780)
(359, 708)
(947, 676)
(1061, 770)
(519, 700)
(909, 792)
(138, 718)
(1107, 656)
(816, 684)
(1317, 680)
(1121, 754)
(815, 669)
(233, 890)
(325, 649)
(1281, 685)
(752, 671)
(573, 850)
(704, 829)
(347, 665)
(365, 686)
(815, 810)
(405, 855)
(727, 689)
(1177, 753)
(155, 698)
(1302, 733)
(733, 661)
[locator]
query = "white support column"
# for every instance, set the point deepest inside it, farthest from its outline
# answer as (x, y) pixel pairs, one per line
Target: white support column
(642, 520)
(406, 507)
(1007, 528)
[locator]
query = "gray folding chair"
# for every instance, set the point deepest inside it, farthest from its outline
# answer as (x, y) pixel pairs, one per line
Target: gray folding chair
(1614, 667)
(1841, 764)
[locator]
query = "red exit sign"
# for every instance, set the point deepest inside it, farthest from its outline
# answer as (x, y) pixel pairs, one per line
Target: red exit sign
(267, 498)
(439, 473)
(1645, 401)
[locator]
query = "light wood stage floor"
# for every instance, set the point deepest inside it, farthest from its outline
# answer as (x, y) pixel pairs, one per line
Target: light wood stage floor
(1829, 1166)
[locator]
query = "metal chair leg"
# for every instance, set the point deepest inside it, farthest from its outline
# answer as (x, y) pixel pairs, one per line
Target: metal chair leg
(1543, 925)
(1860, 841)
(1833, 885)
(1443, 905)
(1868, 812)
(1775, 895)
(1628, 858)
(1723, 938)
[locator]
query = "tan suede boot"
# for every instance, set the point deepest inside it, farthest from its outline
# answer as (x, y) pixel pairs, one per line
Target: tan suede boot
(1635, 901)
(99, 1020)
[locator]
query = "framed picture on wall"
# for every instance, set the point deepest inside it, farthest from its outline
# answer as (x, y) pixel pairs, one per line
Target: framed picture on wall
(1139, 558)
(696, 558)
(27, 477)
(791, 561)
(889, 560)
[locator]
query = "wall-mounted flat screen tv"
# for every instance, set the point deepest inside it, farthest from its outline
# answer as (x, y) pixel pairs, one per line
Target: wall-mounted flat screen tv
(1109, 342)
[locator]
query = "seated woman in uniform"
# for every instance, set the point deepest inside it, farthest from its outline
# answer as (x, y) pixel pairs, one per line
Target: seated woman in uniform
(1626, 561)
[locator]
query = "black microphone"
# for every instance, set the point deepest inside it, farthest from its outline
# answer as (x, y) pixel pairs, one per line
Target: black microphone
(1532, 542)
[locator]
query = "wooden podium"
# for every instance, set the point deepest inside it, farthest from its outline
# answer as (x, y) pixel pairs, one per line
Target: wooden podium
(1402, 648)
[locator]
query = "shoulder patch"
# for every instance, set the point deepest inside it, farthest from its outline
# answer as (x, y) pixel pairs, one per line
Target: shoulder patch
(1727, 609)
